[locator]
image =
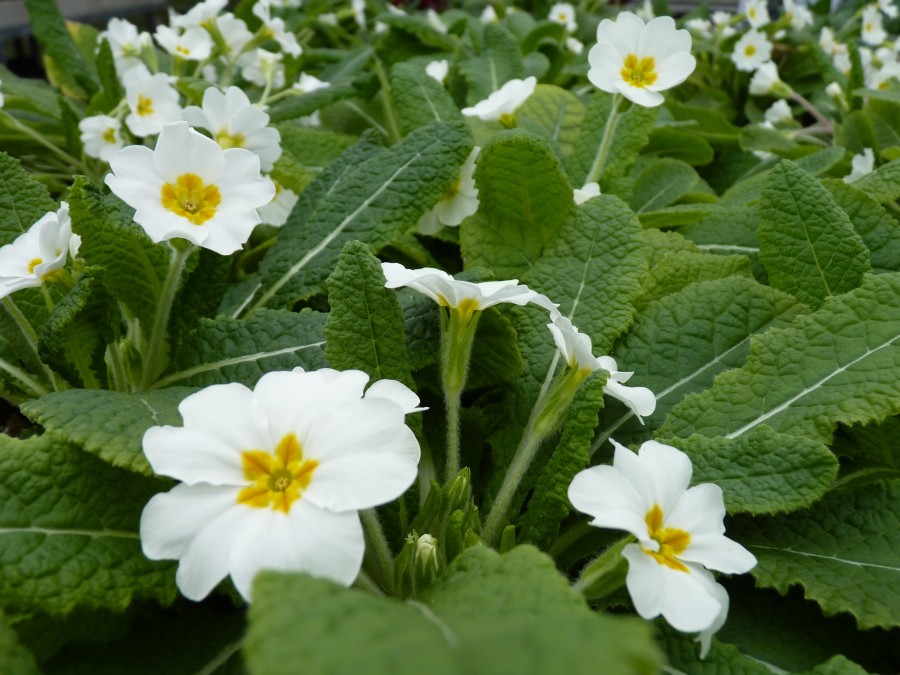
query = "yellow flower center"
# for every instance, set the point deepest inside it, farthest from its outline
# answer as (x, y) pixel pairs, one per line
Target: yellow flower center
(191, 198)
(672, 541)
(34, 263)
(183, 50)
(109, 136)
(639, 73)
(868, 26)
(226, 139)
(144, 106)
(278, 480)
(750, 50)
(751, 13)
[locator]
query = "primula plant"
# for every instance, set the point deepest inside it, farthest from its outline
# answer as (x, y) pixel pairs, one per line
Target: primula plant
(452, 338)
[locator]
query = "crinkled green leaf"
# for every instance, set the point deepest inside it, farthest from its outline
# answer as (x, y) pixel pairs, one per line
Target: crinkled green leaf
(419, 27)
(661, 184)
(111, 89)
(883, 184)
(306, 104)
(879, 230)
(677, 144)
(555, 114)
(495, 355)
(243, 350)
(707, 123)
(305, 153)
(842, 551)
(365, 325)
(524, 200)
(679, 215)
(22, 200)
(373, 201)
(885, 124)
(677, 270)
(110, 424)
(419, 99)
(626, 137)
(683, 652)
(499, 62)
(755, 137)
(49, 27)
(840, 364)
(69, 531)
(807, 243)
(749, 190)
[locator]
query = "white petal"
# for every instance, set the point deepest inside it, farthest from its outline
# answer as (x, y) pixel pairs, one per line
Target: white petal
(673, 70)
(134, 176)
(603, 493)
(308, 539)
(667, 471)
(229, 413)
(606, 66)
(206, 561)
(641, 96)
(397, 392)
(230, 228)
(623, 33)
(660, 39)
(182, 150)
(640, 400)
(240, 179)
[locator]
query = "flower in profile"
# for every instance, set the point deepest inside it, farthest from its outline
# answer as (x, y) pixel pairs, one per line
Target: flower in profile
(577, 350)
(489, 15)
(309, 83)
(189, 187)
(262, 68)
(276, 212)
(873, 32)
(275, 477)
(236, 123)
(194, 44)
(438, 70)
(778, 112)
(766, 82)
(126, 44)
(563, 13)
(152, 100)
(234, 32)
(751, 51)
(276, 29)
(574, 45)
(502, 104)
(36, 255)
(861, 165)
(101, 136)
(640, 60)
(757, 13)
(465, 296)
(458, 203)
(679, 530)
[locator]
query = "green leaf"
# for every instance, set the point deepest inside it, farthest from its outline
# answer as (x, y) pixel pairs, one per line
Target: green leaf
(69, 531)
(517, 600)
(418, 26)
(683, 652)
(755, 473)
(306, 104)
(626, 135)
(111, 91)
(884, 122)
(856, 133)
(883, 184)
(243, 350)
(14, 658)
(495, 355)
(661, 184)
(549, 503)
(555, 114)
(365, 325)
(372, 202)
(49, 27)
(677, 270)
(840, 364)
(499, 62)
(879, 230)
(109, 424)
(37, 96)
(807, 243)
(677, 144)
(419, 99)
(759, 138)
(22, 200)
(707, 123)
(524, 200)
(134, 266)
(305, 153)
(842, 552)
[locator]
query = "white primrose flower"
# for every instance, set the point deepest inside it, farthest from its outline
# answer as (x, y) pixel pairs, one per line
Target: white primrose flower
(645, 11)
(234, 32)
(489, 15)
(679, 531)
(275, 477)
(757, 13)
(458, 203)
(701, 27)
(574, 45)
(861, 165)
(261, 66)
(586, 192)
(190, 187)
(465, 296)
(101, 136)
(198, 15)
(828, 44)
(640, 60)
(36, 254)
(434, 20)
(751, 51)
(276, 212)
(889, 8)
(778, 112)
(152, 100)
(798, 13)
(766, 82)
(307, 83)
(236, 123)
(563, 13)
(359, 12)
(721, 19)
(194, 44)
(438, 70)
(881, 78)
(873, 32)
(577, 350)
(276, 30)
(126, 43)
(503, 103)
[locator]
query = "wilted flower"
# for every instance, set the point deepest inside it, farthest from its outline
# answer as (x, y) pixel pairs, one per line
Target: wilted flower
(679, 531)
(458, 203)
(274, 478)
(638, 60)
(101, 136)
(189, 187)
(502, 104)
(751, 51)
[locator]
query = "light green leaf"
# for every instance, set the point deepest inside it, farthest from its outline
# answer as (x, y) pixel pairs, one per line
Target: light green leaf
(807, 243)
(69, 531)
(524, 200)
(49, 27)
(306, 104)
(499, 62)
(883, 184)
(842, 551)
(555, 114)
(840, 364)
(109, 424)
(32, 94)
(661, 184)
(419, 27)
(22, 200)
(760, 138)
(305, 153)
(373, 201)
(879, 230)
(885, 123)
(419, 99)
(707, 123)
(495, 355)
(243, 350)
(677, 144)
(677, 270)
(365, 325)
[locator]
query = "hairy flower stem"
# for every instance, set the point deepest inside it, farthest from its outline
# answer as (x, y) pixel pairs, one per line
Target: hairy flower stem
(605, 574)
(605, 142)
(377, 546)
(458, 326)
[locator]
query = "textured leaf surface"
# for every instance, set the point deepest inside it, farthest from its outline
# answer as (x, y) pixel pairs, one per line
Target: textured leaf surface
(243, 350)
(883, 184)
(839, 364)
(555, 114)
(22, 200)
(14, 658)
(661, 184)
(524, 200)
(844, 551)
(678, 144)
(419, 99)
(807, 243)
(69, 531)
(680, 269)
(499, 62)
(49, 27)
(365, 325)
(305, 152)
(373, 202)
(110, 424)
(879, 230)
(683, 652)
